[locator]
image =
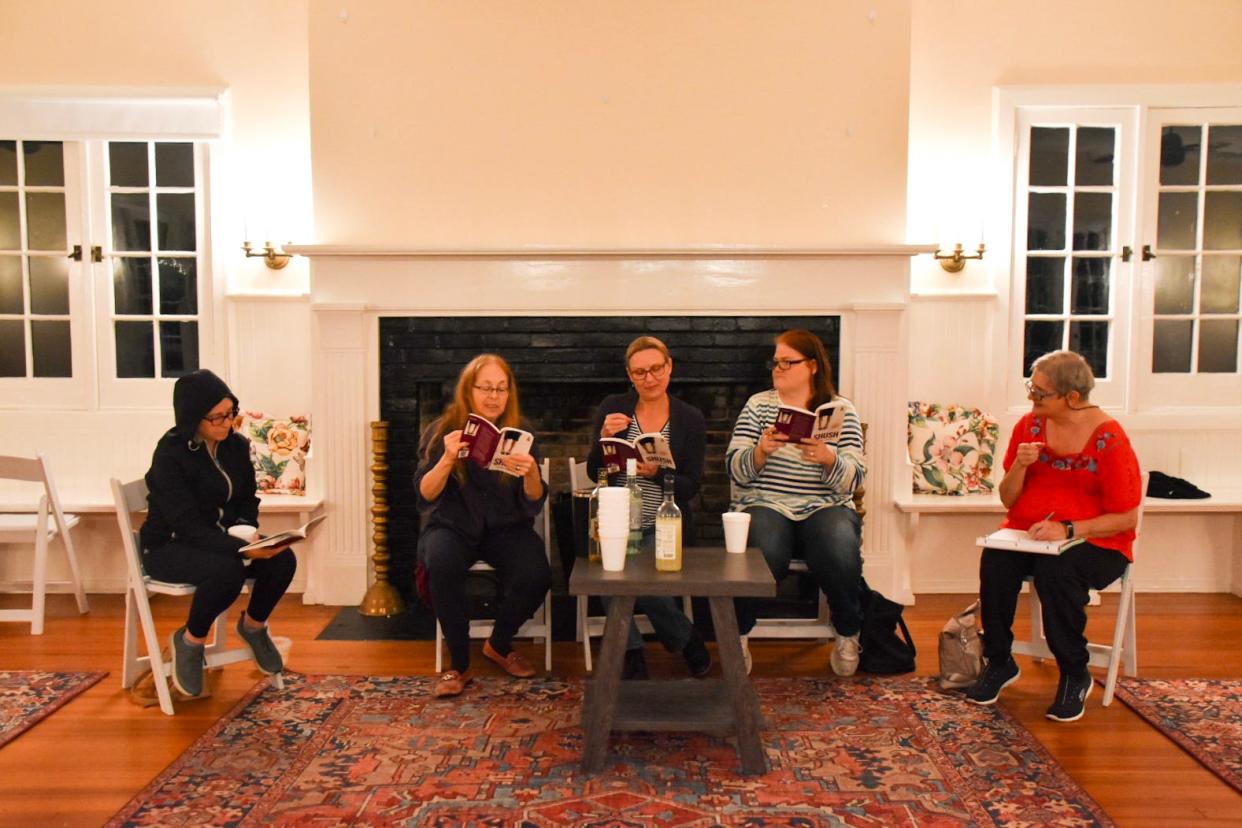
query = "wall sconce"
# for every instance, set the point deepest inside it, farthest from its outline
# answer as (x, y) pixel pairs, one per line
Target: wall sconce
(272, 256)
(955, 261)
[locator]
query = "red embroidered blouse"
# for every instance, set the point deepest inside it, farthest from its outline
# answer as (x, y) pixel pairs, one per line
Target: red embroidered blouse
(1102, 479)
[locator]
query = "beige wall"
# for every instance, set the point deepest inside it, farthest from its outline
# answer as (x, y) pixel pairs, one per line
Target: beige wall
(606, 124)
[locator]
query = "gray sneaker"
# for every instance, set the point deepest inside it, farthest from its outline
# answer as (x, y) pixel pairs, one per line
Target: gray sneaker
(261, 645)
(187, 664)
(844, 658)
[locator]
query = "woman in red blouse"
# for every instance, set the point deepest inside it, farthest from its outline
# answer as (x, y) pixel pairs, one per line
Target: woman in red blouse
(1069, 473)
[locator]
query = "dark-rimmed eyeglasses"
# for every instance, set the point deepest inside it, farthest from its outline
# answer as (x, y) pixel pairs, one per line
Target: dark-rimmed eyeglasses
(493, 390)
(784, 364)
(1038, 394)
(656, 371)
(221, 418)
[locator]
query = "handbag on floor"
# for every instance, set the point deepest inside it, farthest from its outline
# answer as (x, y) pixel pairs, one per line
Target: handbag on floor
(884, 651)
(961, 649)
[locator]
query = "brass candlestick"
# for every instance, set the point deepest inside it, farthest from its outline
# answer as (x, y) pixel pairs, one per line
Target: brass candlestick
(382, 598)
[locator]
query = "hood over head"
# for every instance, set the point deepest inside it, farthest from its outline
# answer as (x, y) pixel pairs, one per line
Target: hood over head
(193, 396)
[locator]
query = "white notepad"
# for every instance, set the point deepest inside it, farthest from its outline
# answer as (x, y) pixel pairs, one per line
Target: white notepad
(1018, 540)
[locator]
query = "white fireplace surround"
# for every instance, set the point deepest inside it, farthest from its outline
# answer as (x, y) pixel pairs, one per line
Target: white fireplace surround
(352, 287)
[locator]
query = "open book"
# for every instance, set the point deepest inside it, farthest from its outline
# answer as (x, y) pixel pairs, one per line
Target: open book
(1018, 540)
(292, 536)
(485, 444)
(646, 448)
(824, 423)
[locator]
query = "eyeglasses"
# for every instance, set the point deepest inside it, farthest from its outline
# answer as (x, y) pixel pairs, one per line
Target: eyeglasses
(222, 418)
(493, 390)
(784, 364)
(1038, 394)
(656, 371)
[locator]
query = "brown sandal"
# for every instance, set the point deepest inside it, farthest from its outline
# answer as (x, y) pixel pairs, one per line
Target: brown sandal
(450, 683)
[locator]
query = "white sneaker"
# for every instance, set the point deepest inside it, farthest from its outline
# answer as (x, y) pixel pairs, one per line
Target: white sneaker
(746, 659)
(844, 659)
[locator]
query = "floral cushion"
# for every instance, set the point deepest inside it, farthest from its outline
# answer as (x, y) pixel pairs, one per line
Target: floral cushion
(278, 448)
(951, 448)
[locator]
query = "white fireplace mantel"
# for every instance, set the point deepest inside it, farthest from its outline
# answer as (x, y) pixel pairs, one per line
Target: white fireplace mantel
(352, 287)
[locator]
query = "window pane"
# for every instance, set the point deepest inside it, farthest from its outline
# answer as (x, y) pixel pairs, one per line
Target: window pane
(1175, 284)
(1221, 276)
(1177, 221)
(1093, 221)
(49, 286)
(1179, 154)
(1094, 163)
(131, 221)
(135, 349)
(1049, 156)
(10, 284)
(1091, 340)
(131, 285)
(45, 164)
(176, 220)
(8, 163)
(1218, 346)
(174, 164)
(1040, 338)
(178, 285)
(49, 343)
(127, 164)
(1222, 221)
(12, 348)
(1045, 222)
(1224, 163)
(45, 221)
(10, 235)
(1045, 285)
(1170, 353)
(178, 348)
(1089, 292)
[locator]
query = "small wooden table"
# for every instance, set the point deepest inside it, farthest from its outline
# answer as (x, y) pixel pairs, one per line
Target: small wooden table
(727, 706)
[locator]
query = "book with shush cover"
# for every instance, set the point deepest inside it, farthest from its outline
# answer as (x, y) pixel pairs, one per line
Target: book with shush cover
(645, 448)
(1017, 540)
(291, 536)
(485, 445)
(824, 423)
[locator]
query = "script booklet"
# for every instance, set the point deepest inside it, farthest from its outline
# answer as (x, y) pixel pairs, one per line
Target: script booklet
(486, 445)
(1018, 540)
(292, 536)
(646, 448)
(824, 423)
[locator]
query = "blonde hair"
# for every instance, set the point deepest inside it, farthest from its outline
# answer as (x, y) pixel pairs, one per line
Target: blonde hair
(645, 343)
(1066, 371)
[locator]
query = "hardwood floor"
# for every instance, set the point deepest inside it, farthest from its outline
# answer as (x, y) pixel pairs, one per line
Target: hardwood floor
(82, 764)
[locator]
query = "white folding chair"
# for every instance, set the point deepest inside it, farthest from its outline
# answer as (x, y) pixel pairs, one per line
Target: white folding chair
(1124, 648)
(130, 498)
(35, 528)
(538, 626)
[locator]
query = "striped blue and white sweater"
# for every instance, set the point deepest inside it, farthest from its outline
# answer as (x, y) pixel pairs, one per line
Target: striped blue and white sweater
(786, 484)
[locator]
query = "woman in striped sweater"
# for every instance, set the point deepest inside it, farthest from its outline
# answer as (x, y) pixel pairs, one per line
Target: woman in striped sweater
(799, 495)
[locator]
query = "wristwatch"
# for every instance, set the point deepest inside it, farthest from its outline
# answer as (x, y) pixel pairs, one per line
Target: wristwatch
(1069, 528)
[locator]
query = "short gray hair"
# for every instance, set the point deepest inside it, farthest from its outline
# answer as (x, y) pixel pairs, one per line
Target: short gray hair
(1067, 371)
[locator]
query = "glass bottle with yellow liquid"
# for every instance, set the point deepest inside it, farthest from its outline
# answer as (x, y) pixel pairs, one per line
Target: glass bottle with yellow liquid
(668, 531)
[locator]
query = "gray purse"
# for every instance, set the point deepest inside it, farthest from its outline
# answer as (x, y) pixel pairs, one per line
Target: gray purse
(961, 649)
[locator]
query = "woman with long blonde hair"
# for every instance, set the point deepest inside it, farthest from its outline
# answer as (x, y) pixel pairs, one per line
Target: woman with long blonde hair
(473, 514)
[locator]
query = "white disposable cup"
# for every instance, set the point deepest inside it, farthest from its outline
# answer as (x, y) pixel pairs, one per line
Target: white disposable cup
(736, 530)
(612, 552)
(247, 533)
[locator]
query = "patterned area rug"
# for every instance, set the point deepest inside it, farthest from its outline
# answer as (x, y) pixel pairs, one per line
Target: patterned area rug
(27, 697)
(350, 750)
(1204, 717)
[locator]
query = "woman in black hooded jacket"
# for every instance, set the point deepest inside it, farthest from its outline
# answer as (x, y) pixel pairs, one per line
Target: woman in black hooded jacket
(202, 509)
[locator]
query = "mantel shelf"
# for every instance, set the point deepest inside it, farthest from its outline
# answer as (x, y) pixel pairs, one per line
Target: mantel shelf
(349, 251)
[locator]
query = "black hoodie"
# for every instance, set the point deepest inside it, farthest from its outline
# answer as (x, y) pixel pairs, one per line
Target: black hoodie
(194, 497)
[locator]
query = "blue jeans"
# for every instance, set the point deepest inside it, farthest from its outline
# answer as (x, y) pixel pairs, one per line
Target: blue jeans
(830, 541)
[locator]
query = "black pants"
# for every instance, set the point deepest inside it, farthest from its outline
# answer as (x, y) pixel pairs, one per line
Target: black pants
(218, 579)
(1062, 582)
(516, 553)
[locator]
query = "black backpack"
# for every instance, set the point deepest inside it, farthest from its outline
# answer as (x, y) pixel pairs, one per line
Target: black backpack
(883, 650)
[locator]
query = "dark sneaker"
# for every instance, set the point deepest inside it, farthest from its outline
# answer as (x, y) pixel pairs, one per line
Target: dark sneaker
(996, 677)
(634, 668)
(698, 659)
(187, 664)
(1071, 700)
(261, 645)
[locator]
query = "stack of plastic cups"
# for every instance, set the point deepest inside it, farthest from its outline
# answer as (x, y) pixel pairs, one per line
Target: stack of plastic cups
(614, 526)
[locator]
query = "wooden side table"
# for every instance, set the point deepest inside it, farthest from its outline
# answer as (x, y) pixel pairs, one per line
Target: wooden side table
(722, 706)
